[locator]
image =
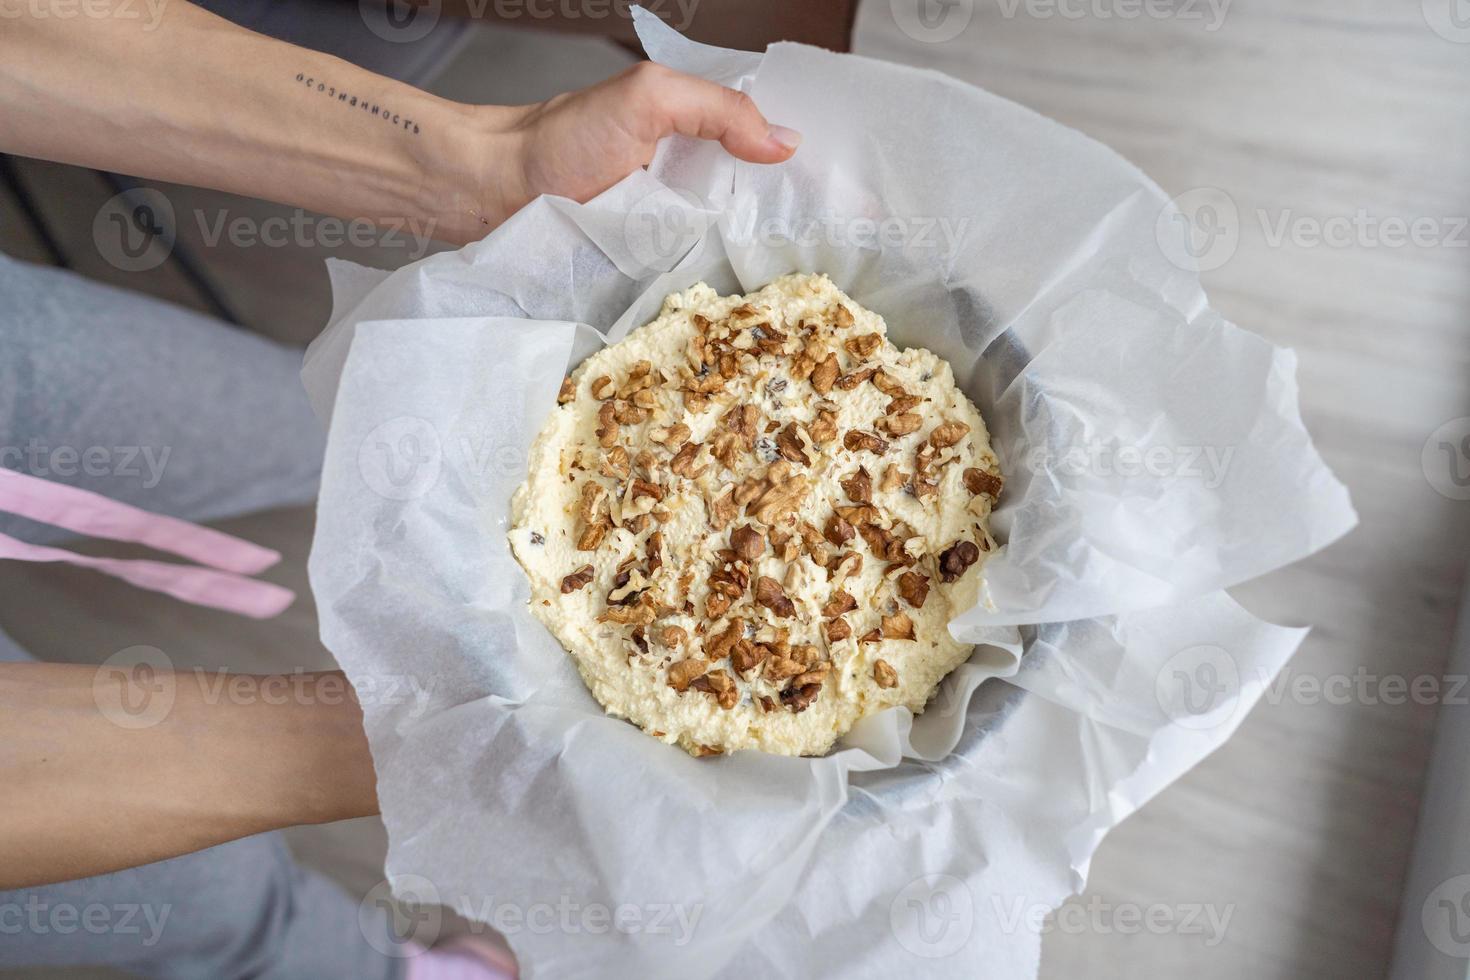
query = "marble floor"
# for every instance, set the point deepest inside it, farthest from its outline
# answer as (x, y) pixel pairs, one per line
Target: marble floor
(1311, 116)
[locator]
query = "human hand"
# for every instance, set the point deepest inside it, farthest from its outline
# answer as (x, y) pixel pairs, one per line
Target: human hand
(579, 144)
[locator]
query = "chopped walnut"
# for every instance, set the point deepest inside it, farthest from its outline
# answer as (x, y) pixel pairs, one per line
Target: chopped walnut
(781, 500)
(884, 675)
(837, 629)
(841, 316)
(872, 636)
(591, 537)
(768, 593)
(851, 380)
(859, 487)
(887, 384)
(568, 391)
(840, 603)
(954, 560)
(789, 444)
(673, 637)
(607, 426)
(683, 673)
(615, 464)
(864, 346)
(577, 580)
(798, 699)
(824, 428)
(719, 684)
(893, 478)
(948, 434)
(838, 531)
(683, 462)
(746, 656)
(723, 509)
(981, 483)
(898, 627)
(824, 374)
(914, 588)
(901, 425)
(856, 441)
(747, 542)
(602, 387)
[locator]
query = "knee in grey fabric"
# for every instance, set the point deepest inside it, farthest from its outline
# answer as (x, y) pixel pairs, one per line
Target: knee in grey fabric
(146, 402)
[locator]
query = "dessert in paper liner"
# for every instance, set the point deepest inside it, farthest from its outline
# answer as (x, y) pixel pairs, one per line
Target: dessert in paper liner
(506, 790)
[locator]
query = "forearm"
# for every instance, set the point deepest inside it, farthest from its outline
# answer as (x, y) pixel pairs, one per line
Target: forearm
(198, 100)
(84, 795)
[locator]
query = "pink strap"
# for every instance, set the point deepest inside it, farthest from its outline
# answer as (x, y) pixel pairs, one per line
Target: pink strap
(96, 515)
(101, 517)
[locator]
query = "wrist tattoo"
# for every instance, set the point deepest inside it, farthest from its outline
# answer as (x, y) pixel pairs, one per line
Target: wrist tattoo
(373, 109)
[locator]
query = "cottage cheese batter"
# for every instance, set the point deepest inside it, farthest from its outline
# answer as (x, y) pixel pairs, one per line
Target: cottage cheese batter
(751, 520)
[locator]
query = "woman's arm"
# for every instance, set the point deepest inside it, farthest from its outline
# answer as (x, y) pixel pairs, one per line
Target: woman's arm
(194, 99)
(85, 795)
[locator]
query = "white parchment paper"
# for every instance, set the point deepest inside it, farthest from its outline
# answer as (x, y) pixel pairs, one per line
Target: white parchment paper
(1154, 456)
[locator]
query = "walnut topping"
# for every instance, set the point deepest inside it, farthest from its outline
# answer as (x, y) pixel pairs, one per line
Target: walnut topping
(673, 637)
(824, 428)
(824, 374)
(591, 537)
(674, 435)
(684, 673)
(746, 656)
(955, 559)
(857, 441)
(859, 487)
(719, 684)
(779, 668)
(893, 478)
(615, 464)
(683, 462)
(768, 593)
(798, 699)
(781, 500)
(720, 645)
(642, 488)
(914, 588)
(871, 636)
(602, 387)
(607, 426)
(837, 629)
(723, 509)
(901, 425)
(865, 346)
(884, 675)
(850, 381)
(981, 483)
(840, 603)
(841, 316)
(789, 443)
(948, 434)
(887, 384)
(898, 627)
(577, 580)
(568, 391)
(838, 531)
(747, 542)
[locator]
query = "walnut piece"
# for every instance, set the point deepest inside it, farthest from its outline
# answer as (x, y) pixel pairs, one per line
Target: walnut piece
(981, 483)
(884, 675)
(859, 487)
(683, 673)
(578, 579)
(914, 588)
(747, 542)
(824, 374)
(856, 441)
(954, 560)
(948, 434)
(898, 627)
(768, 593)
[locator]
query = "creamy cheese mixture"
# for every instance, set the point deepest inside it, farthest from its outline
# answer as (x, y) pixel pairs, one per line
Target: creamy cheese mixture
(751, 520)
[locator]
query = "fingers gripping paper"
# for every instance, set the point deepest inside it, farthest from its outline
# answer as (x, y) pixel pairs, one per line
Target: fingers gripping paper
(1154, 456)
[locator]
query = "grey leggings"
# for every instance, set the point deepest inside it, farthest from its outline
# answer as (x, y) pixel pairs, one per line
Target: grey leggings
(192, 418)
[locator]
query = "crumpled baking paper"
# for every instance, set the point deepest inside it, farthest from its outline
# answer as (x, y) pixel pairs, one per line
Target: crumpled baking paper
(1154, 457)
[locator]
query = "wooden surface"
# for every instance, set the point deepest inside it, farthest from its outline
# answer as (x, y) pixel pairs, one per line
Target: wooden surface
(1301, 826)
